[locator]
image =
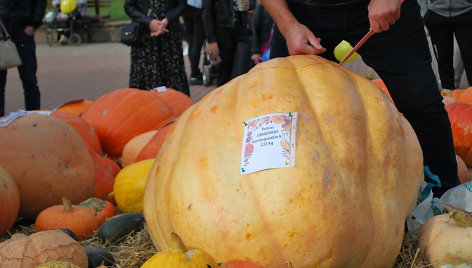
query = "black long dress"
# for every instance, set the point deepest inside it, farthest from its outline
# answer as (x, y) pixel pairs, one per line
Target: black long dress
(159, 61)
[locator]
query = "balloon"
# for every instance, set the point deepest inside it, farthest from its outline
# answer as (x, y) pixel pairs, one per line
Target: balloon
(67, 6)
(342, 49)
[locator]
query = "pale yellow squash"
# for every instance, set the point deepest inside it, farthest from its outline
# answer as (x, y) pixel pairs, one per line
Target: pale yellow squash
(179, 256)
(128, 189)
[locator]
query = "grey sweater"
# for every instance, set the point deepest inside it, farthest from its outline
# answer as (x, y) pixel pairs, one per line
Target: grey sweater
(449, 8)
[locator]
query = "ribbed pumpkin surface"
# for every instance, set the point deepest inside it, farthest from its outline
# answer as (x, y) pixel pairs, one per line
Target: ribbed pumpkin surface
(344, 204)
(121, 115)
(48, 160)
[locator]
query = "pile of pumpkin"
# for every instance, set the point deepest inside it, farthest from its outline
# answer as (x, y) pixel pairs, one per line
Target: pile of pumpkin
(71, 170)
(93, 154)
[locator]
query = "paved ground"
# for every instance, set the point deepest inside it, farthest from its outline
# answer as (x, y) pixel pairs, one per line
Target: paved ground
(76, 72)
(88, 71)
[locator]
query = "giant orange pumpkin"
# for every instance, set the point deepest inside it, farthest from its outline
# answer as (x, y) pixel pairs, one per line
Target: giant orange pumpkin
(9, 201)
(460, 115)
(358, 170)
(119, 116)
(48, 160)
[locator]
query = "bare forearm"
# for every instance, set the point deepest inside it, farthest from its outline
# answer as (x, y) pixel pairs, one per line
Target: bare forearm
(280, 13)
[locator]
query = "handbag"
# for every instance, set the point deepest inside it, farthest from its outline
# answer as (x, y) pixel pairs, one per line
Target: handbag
(9, 57)
(132, 33)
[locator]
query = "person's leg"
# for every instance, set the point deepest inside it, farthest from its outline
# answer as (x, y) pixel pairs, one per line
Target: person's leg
(242, 54)
(402, 59)
(198, 39)
(463, 32)
(3, 82)
(441, 32)
(226, 46)
(27, 70)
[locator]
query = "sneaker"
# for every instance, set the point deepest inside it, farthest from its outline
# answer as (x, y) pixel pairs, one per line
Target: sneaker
(196, 81)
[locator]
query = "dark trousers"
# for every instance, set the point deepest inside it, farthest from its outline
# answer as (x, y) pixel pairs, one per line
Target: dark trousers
(442, 31)
(402, 59)
(195, 36)
(27, 50)
(235, 50)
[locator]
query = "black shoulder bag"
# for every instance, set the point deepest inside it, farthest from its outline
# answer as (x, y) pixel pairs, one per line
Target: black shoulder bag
(133, 33)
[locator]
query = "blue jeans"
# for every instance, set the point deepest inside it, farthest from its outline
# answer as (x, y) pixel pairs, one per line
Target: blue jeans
(27, 50)
(401, 58)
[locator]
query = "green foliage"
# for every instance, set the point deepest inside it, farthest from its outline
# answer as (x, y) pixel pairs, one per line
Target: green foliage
(116, 11)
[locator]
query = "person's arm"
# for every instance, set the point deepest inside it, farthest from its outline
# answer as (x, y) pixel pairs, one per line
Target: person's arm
(255, 28)
(176, 11)
(135, 13)
(300, 40)
(39, 8)
(383, 14)
(208, 17)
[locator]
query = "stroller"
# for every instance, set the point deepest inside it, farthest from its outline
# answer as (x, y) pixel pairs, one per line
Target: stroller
(65, 28)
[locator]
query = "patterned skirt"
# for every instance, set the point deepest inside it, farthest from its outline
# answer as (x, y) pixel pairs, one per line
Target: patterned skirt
(159, 62)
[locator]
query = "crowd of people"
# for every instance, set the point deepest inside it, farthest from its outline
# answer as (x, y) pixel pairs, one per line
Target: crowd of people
(230, 32)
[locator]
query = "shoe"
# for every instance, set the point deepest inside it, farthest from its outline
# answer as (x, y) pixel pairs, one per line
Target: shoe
(196, 81)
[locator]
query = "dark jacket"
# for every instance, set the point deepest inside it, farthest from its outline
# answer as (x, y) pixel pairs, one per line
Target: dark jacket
(220, 13)
(17, 14)
(138, 11)
(261, 27)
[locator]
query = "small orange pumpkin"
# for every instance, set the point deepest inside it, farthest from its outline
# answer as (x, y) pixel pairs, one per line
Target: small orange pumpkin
(80, 220)
(103, 209)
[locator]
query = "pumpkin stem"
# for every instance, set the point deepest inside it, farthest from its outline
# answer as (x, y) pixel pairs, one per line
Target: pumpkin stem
(176, 244)
(67, 204)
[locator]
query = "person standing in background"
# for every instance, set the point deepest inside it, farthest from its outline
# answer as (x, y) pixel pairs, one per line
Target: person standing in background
(445, 19)
(158, 61)
(261, 33)
(227, 28)
(21, 19)
(195, 37)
